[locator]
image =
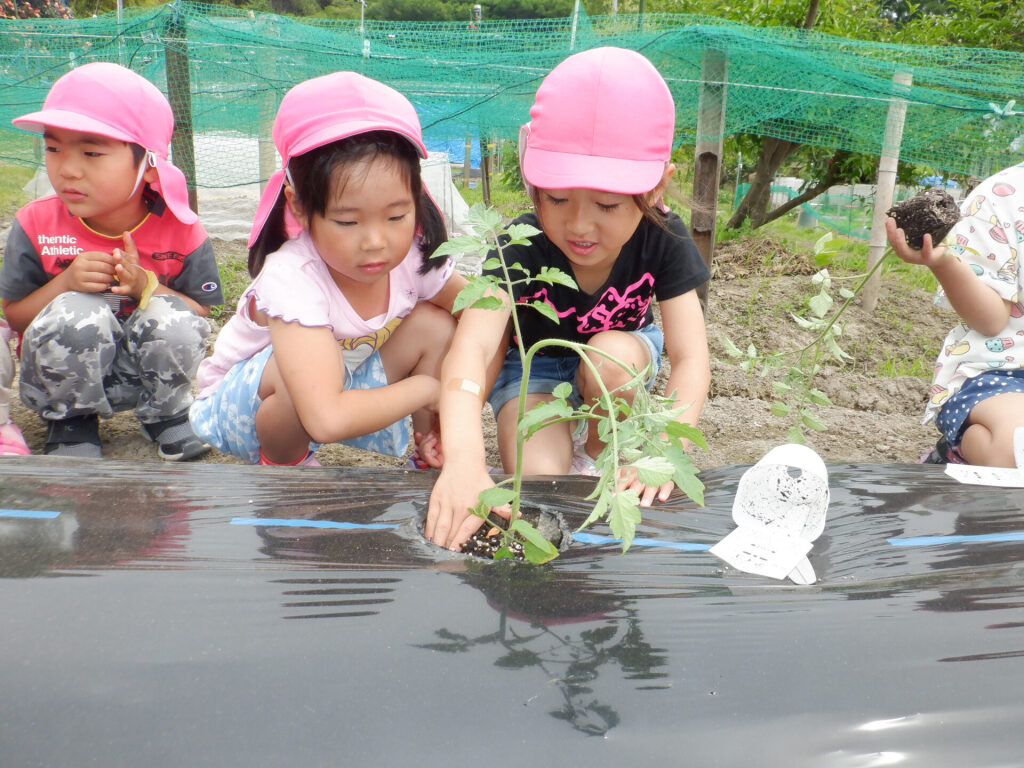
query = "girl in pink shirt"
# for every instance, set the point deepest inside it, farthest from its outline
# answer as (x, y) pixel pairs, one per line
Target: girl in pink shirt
(340, 336)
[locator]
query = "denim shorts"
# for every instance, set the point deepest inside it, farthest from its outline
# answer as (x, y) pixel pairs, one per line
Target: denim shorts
(226, 419)
(952, 418)
(548, 372)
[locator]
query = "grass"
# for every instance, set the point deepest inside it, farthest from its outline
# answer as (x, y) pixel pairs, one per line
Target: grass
(13, 177)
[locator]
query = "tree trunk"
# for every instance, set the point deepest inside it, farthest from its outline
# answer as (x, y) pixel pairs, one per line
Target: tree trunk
(808, 194)
(754, 204)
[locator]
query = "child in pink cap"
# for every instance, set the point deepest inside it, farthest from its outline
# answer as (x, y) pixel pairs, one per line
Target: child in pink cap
(340, 335)
(595, 159)
(109, 280)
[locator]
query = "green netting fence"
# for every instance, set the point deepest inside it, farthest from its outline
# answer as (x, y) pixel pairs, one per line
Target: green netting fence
(225, 71)
(846, 208)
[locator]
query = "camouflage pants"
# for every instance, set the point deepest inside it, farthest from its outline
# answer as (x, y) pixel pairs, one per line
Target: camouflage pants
(78, 359)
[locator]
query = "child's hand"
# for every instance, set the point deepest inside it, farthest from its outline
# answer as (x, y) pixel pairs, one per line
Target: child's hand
(428, 448)
(647, 493)
(91, 272)
(449, 520)
(929, 255)
(131, 277)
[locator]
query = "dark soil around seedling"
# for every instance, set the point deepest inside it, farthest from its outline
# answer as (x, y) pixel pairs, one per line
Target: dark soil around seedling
(488, 540)
(932, 212)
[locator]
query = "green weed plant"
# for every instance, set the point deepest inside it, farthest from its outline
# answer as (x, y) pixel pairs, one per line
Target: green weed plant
(793, 372)
(642, 436)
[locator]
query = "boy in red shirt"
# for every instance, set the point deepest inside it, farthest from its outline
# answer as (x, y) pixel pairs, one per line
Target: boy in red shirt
(110, 279)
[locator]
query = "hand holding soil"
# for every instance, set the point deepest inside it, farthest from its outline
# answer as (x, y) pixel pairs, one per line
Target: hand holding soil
(933, 212)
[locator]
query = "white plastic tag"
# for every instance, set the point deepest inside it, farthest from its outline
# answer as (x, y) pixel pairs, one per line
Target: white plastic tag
(780, 508)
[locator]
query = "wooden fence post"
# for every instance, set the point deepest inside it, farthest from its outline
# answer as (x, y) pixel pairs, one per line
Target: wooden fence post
(887, 163)
(179, 93)
(707, 165)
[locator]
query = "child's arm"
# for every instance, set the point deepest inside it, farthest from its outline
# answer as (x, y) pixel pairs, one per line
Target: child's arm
(468, 371)
(132, 278)
(687, 347)
(312, 367)
(90, 272)
(980, 307)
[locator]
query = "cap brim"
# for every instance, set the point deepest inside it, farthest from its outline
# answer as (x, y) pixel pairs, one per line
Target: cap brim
(38, 122)
(561, 170)
(330, 134)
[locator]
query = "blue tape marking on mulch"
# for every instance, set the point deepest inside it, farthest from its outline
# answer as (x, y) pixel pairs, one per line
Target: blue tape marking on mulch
(686, 546)
(34, 514)
(930, 541)
(309, 523)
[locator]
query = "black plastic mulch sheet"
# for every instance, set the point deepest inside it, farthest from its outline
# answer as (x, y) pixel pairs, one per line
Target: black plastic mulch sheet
(190, 616)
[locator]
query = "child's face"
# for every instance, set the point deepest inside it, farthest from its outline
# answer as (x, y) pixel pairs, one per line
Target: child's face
(94, 176)
(369, 223)
(588, 226)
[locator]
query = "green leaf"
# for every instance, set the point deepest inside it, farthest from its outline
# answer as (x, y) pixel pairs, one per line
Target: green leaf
(846, 293)
(730, 349)
(562, 391)
(653, 470)
(555, 276)
(521, 231)
(496, 497)
(491, 263)
(810, 421)
(599, 510)
(536, 548)
(545, 309)
(818, 397)
(804, 323)
(538, 416)
(624, 516)
(795, 435)
(483, 219)
(457, 246)
(781, 387)
(780, 409)
(820, 304)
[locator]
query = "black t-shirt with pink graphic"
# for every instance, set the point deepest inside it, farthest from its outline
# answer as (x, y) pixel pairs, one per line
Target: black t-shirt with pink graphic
(656, 263)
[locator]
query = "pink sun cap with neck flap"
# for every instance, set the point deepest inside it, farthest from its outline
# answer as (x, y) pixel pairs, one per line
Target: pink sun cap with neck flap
(112, 101)
(602, 119)
(327, 109)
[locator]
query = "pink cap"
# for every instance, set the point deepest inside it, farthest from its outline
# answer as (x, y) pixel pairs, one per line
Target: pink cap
(327, 109)
(603, 119)
(109, 100)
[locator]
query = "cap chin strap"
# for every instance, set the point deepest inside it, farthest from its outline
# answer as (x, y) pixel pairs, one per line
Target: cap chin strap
(288, 177)
(149, 161)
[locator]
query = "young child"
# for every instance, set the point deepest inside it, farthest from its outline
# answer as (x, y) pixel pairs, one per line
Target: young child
(109, 280)
(12, 442)
(977, 395)
(595, 158)
(341, 334)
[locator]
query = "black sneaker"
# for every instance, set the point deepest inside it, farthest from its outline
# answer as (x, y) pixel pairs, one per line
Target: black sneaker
(175, 438)
(78, 436)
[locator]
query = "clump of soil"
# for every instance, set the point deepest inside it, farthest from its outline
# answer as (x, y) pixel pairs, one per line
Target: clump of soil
(488, 540)
(933, 212)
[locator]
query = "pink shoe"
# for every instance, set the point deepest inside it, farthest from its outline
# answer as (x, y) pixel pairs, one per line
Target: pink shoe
(12, 442)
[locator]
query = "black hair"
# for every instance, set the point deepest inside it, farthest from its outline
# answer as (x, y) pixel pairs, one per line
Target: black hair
(312, 176)
(138, 152)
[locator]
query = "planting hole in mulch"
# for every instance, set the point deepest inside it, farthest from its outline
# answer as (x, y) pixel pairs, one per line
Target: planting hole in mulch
(488, 539)
(932, 212)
